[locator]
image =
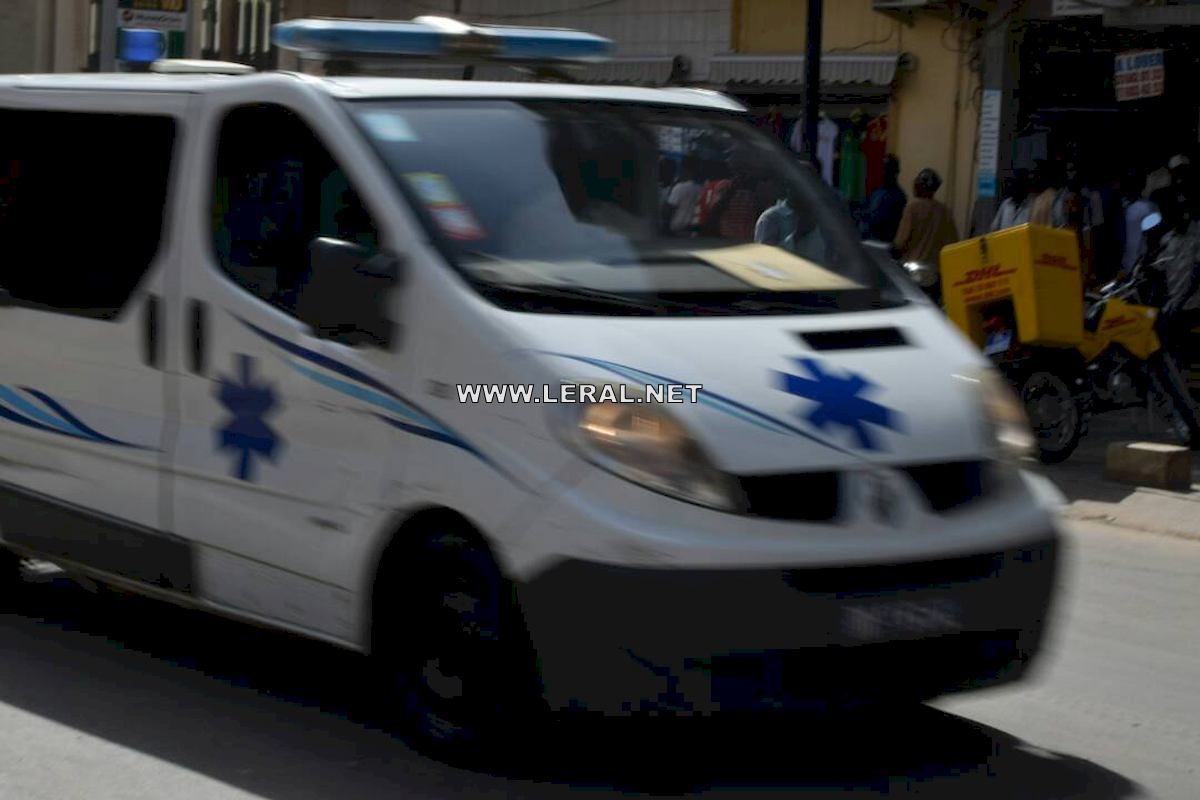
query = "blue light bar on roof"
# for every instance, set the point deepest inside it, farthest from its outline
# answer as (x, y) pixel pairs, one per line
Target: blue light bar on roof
(141, 45)
(437, 38)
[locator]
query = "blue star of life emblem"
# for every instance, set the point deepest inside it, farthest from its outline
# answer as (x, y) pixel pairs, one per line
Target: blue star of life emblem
(246, 433)
(838, 401)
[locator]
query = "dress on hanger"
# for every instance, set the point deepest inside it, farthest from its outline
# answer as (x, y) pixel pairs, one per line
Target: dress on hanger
(853, 168)
(874, 148)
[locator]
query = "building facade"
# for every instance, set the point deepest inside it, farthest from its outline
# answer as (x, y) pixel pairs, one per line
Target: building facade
(970, 88)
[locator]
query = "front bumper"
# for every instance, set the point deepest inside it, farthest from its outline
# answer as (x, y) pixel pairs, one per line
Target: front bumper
(619, 640)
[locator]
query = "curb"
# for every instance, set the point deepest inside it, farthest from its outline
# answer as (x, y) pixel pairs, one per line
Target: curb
(1145, 510)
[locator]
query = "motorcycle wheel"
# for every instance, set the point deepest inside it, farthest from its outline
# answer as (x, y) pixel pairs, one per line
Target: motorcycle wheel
(1174, 400)
(1054, 413)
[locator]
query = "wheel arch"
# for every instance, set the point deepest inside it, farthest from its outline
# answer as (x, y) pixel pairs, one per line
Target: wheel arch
(402, 532)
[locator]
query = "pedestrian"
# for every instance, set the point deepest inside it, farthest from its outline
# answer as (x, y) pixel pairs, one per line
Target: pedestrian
(666, 177)
(736, 211)
(715, 183)
(1049, 183)
(886, 206)
(679, 209)
(777, 222)
(926, 225)
(1014, 210)
(1180, 168)
(1137, 206)
(1178, 262)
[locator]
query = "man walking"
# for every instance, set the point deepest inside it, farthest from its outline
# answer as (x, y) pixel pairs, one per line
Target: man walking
(886, 206)
(926, 225)
(1014, 210)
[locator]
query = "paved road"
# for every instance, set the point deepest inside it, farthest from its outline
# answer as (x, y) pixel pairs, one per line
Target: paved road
(105, 697)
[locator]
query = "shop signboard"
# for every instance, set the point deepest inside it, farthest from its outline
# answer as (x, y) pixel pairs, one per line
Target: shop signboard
(1138, 74)
(989, 143)
(169, 16)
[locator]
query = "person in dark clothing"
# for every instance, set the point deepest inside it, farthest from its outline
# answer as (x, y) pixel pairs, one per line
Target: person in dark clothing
(1176, 259)
(886, 206)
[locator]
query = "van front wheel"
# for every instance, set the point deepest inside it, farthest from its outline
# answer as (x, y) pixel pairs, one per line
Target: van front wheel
(463, 674)
(10, 573)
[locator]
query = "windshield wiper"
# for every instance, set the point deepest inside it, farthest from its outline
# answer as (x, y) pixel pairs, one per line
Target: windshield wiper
(558, 291)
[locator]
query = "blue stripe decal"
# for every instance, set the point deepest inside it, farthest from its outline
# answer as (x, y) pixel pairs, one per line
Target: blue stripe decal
(364, 394)
(67, 425)
(416, 421)
(446, 437)
(57, 408)
(321, 360)
(23, 406)
(711, 399)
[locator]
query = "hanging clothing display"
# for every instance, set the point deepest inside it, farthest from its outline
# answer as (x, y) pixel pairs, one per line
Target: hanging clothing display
(827, 136)
(827, 133)
(853, 168)
(796, 139)
(874, 148)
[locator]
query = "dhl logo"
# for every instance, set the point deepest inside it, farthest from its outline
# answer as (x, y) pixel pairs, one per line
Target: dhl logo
(1051, 260)
(984, 274)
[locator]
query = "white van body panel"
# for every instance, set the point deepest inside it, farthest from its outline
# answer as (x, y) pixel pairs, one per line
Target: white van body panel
(84, 415)
(290, 531)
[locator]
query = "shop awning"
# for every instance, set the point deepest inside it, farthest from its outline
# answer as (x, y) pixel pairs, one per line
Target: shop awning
(787, 71)
(635, 71)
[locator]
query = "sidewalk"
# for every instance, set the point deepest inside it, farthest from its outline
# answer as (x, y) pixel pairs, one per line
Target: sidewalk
(1091, 497)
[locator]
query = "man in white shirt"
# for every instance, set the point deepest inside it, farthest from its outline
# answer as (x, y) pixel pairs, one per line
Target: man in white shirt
(1014, 210)
(1137, 208)
(681, 199)
(777, 222)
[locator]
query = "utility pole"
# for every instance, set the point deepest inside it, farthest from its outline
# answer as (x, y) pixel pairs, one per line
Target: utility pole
(812, 78)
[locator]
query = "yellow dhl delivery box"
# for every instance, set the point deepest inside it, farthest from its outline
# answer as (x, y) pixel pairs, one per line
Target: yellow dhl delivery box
(1032, 267)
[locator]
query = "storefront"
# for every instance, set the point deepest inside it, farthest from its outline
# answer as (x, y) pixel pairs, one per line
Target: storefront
(1111, 98)
(856, 95)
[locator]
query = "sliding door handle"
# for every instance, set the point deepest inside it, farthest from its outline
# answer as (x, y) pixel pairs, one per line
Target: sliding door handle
(198, 336)
(151, 344)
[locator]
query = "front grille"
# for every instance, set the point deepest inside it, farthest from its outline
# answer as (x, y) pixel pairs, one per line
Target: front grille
(806, 496)
(948, 486)
(816, 496)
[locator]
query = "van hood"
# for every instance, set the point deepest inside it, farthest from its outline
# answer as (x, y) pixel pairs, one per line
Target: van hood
(789, 393)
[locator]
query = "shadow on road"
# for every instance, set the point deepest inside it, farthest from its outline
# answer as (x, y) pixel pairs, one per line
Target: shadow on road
(286, 719)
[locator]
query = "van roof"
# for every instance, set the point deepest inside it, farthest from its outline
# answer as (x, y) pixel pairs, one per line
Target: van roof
(362, 88)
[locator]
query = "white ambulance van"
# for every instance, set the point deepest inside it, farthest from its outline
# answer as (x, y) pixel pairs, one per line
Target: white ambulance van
(243, 315)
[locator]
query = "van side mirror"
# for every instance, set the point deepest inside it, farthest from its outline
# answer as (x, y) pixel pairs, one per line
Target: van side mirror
(346, 297)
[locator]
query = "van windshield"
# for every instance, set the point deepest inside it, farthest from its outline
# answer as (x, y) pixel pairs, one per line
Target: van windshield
(592, 207)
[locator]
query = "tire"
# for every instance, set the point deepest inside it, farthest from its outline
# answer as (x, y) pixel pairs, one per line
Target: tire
(10, 574)
(1174, 400)
(1054, 412)
(461, 672)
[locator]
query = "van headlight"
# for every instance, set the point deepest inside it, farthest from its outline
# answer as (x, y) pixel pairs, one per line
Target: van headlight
(646, 444)
(1008, 425)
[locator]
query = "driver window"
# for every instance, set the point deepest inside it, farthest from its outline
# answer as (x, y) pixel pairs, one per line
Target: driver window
(276, 189)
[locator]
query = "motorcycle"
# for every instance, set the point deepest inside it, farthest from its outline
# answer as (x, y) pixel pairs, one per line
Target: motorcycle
(1120, 363)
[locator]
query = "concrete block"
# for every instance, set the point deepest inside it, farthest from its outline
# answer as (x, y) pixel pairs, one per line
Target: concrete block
(1165, 466)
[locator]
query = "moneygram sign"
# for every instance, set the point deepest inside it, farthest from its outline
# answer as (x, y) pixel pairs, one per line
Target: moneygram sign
(169, 16)
(1139, 74)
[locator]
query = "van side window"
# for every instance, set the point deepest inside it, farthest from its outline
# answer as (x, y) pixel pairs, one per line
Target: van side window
(82, 203)
(276, 189)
